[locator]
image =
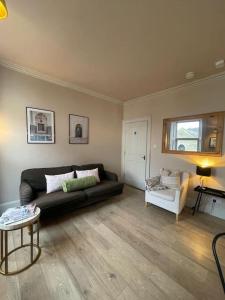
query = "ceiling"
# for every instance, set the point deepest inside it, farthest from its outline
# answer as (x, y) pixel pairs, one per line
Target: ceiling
(120, 48)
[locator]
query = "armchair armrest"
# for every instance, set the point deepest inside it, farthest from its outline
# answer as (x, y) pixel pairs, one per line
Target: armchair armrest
(26, 193)
(177, 194)
(111, 176)
(180, 197)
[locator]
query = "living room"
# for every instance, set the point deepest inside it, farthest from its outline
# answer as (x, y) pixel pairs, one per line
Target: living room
(88, 85)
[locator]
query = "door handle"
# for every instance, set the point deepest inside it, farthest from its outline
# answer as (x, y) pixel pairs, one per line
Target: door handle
(143, 157)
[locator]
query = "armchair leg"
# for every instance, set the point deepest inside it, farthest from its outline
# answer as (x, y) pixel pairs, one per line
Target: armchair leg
(146, 204)
(177, 217)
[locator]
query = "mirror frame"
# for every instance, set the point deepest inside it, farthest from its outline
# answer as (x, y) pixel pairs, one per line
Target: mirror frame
(165, 144)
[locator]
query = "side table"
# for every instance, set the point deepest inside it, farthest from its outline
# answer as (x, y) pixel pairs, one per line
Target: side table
(20, 225)
(206, 191)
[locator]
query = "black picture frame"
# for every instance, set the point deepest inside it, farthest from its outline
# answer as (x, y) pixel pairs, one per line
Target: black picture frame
(41, 135)
(84, 130)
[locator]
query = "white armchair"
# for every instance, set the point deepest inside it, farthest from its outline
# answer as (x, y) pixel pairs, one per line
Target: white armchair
(171, 199)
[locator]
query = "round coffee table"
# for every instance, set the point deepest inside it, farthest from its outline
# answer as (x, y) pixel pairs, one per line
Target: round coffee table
(20, 225)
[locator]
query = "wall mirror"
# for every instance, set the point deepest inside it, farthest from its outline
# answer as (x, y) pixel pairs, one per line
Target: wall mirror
(197, 134)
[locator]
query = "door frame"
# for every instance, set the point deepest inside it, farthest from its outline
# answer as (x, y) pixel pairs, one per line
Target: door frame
(148, 150)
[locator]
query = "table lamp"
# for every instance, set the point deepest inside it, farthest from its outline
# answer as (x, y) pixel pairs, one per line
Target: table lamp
(203, 172)
(3, 10)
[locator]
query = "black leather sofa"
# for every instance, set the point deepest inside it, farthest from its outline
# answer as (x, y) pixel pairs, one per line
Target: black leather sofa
(33, 189)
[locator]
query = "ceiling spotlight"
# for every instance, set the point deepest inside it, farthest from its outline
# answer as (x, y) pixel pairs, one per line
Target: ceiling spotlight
(3, 10)
(219, 64)
(189, 75)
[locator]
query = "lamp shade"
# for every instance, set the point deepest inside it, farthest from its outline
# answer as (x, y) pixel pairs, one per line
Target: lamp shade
(3, 10)
(203, 171)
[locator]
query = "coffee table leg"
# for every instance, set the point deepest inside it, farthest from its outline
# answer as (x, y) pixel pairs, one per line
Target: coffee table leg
(21, 236)
(31, 243)
(6, 252)
(2, 243)
(38, 225)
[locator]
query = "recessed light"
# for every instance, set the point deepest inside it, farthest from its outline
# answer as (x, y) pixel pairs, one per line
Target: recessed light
(219, 64)
(189, 75)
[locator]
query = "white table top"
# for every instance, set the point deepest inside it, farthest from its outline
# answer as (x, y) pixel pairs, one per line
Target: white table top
(22, 223)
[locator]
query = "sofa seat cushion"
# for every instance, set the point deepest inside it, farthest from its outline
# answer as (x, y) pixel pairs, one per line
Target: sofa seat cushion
(104, 188)
(45, 201)
(168, 194)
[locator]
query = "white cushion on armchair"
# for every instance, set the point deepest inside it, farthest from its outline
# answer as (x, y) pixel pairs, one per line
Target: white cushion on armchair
(168, 194)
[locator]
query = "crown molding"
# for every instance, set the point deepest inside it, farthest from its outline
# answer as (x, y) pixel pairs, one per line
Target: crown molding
(171, 90)
(57, 81)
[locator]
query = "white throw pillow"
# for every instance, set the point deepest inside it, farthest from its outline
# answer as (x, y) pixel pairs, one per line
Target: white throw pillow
(54, 182)
(165, 172)
(171, 181)
(86, 173)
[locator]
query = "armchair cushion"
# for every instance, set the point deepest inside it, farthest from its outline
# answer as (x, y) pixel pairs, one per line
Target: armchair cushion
(170, 179)
(168, 195)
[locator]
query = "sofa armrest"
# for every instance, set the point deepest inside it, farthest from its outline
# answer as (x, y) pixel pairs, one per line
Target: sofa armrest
(26, 193)
(111, 176)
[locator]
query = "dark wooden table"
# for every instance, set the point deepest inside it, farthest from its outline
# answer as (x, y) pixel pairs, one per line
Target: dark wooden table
(207, 191)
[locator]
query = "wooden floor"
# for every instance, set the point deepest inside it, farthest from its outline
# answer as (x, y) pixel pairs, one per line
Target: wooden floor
(120, 249)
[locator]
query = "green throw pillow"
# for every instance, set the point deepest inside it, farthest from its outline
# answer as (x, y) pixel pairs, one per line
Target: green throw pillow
(76, 184)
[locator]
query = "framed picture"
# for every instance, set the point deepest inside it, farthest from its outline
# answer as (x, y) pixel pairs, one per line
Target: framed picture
(40, 126)
(212, 142)
(78, 129)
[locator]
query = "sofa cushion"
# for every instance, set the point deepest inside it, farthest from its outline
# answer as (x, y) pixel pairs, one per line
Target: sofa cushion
(87, 173)
(54, 182)
(45, 201)
(36, 177)
(77, 184)
(168, 194)
(100, 167)
(104, 188)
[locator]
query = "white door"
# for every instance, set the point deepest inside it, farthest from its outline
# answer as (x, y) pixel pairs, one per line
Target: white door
(135, 152)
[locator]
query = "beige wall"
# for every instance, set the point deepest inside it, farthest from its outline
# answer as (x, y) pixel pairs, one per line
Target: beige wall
(18, 91)
(209, 96)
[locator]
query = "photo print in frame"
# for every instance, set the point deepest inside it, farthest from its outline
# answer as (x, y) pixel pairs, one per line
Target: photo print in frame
(78, 129)
(40, 126)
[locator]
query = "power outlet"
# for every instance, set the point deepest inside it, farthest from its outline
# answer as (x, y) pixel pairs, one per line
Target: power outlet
(213, 205)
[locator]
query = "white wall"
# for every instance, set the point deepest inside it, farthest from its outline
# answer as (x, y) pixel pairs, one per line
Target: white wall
(207, 96)
(18, 91)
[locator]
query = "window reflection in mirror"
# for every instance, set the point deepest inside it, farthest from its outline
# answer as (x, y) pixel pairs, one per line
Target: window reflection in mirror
(186, 135)
(194, 134)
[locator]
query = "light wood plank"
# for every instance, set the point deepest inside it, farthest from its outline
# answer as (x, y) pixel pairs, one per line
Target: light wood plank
(127, 294)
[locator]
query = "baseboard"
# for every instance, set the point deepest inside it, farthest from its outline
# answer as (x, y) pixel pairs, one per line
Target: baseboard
(6, 205)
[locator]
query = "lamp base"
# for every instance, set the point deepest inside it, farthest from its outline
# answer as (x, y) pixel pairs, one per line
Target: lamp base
(202, 182)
